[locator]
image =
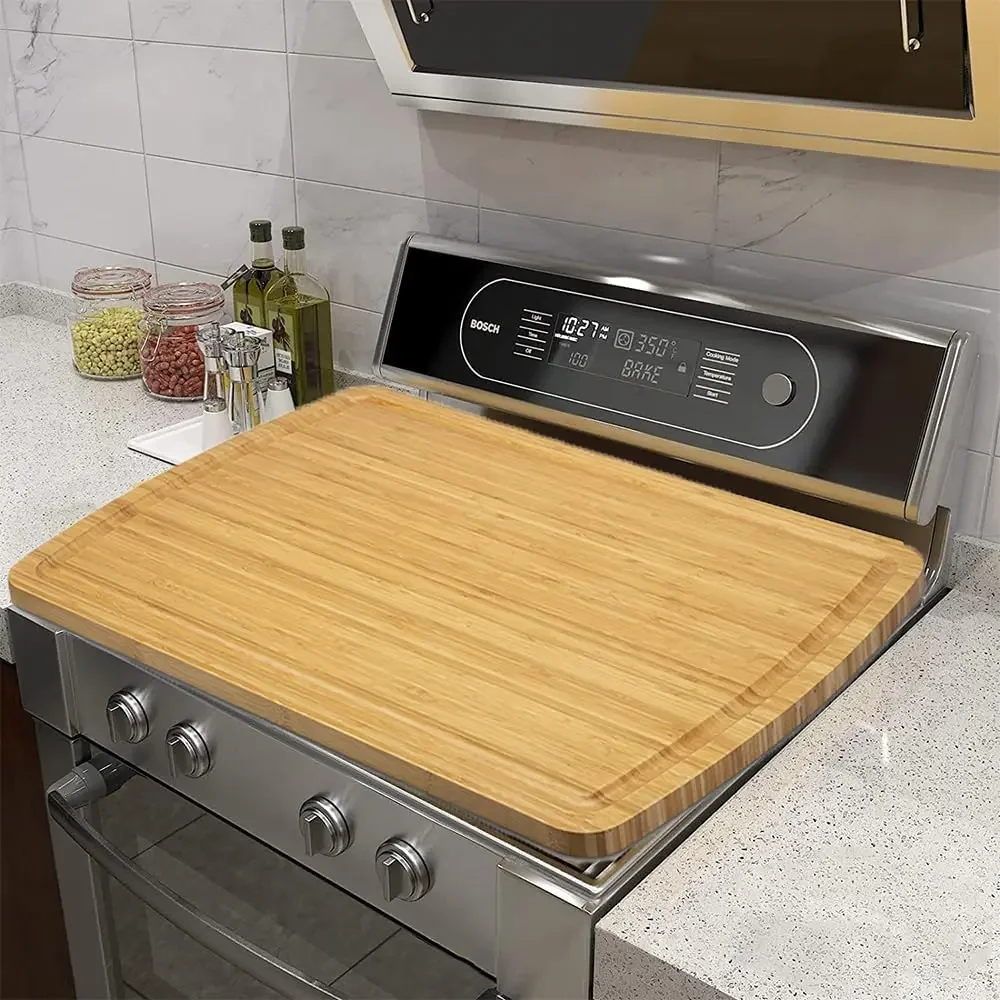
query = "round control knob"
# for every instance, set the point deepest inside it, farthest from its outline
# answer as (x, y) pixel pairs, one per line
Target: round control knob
(402, 872)
(777, 389)
(187, 751)
(127, 719)
(324, 828)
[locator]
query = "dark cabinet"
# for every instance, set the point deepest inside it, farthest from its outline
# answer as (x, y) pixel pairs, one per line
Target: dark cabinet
(844, 51)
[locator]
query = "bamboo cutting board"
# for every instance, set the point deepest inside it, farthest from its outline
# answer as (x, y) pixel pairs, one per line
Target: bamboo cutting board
(571, 646)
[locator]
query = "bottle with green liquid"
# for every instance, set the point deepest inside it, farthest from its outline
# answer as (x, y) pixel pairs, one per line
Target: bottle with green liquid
(297, 307)
(251, 288)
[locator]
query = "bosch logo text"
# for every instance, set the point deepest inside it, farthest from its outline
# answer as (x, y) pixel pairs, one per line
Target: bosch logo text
(484, 326)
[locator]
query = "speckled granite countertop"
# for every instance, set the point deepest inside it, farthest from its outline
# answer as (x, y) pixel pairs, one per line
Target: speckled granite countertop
(62, 437)
(862, 862)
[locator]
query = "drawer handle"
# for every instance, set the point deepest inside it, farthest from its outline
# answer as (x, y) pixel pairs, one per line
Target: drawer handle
(99, 777)
(911, 42)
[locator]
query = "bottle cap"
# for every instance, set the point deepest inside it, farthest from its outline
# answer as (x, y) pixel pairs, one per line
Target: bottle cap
(260, 231)
(293, 238)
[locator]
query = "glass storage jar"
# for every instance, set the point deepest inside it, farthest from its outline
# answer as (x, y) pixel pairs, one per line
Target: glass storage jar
(105, 325)
(173, 366)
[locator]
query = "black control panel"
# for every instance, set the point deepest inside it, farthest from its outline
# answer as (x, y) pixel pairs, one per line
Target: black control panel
(837, 404)
(667, 369)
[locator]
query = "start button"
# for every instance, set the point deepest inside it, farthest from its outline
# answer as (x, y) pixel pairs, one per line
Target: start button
(778, 389)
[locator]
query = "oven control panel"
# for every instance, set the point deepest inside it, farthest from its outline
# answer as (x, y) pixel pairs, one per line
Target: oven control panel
(839, 403)
(723, 382)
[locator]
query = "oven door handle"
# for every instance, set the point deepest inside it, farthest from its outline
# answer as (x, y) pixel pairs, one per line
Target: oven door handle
(265, 968)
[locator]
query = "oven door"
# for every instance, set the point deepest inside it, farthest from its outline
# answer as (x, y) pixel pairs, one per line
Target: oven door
(196, 908)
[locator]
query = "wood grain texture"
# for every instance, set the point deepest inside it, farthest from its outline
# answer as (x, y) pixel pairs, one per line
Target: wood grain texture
(571, 646)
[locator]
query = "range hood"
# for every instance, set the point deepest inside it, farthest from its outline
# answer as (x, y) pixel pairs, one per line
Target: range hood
(910, 79)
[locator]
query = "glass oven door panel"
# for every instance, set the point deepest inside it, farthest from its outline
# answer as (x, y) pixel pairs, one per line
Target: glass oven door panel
(143, 813)
(848, 51)
(281, 908)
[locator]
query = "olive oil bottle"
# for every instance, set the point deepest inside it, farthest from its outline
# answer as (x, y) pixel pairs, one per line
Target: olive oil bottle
(297, 307)
(250, 290)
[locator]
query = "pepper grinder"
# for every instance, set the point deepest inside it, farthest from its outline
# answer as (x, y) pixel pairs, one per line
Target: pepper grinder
(216, 377)
(241, 352)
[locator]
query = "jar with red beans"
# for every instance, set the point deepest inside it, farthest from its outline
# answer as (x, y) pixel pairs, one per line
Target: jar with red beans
(173, 366)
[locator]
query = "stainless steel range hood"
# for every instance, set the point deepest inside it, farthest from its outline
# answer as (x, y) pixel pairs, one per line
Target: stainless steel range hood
(906, 79)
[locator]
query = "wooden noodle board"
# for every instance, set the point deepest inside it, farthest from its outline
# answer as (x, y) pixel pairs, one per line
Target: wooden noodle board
(571, 646)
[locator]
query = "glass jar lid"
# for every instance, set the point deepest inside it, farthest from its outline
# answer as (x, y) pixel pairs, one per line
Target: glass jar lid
(185, 300)
(107, 282)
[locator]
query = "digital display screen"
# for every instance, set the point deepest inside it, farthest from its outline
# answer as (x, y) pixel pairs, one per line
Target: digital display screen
(638, 356)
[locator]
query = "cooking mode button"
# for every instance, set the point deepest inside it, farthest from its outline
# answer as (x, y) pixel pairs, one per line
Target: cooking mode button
(777, 389)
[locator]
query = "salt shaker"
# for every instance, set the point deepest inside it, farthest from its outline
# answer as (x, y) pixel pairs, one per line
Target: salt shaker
(279, 398)
(241, 352)
(216, 426)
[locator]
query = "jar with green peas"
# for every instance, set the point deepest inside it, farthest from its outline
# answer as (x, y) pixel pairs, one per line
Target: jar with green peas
(105, 327)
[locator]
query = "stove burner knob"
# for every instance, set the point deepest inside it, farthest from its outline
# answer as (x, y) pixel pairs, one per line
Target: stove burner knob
(127, 720)
(402, 872)
(777, 389)
(324, 828)
(187, 751)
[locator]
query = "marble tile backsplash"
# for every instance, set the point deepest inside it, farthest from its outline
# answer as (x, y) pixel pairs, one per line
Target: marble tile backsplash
(151, 131)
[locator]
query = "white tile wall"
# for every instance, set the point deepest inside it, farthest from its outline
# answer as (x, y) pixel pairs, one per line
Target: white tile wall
(324, 28)
(152, 130)
(653, 184)
(59, 260)
(89, 194)
(349, 130)
(200, 213)
(8, 107)
(14, 212)
(74, 88)
(905, 218)
(168, 273)
(108, 18)
(629, 253)
(18, 261)
(247, 24)
(356, 234)
(215, 105)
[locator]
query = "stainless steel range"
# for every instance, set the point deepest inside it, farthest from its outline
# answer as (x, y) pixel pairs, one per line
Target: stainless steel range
(855, 421)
